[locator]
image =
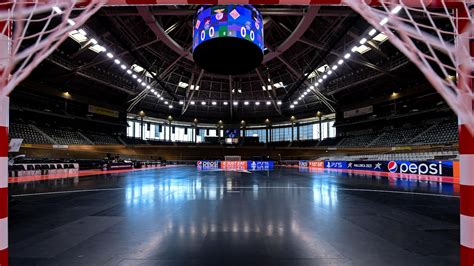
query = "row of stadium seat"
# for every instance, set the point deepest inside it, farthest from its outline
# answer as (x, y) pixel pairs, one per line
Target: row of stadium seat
(413, 156)
(442, 132)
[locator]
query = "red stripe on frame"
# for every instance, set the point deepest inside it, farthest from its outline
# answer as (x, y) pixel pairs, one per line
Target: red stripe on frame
(141, 2)
(467, 200)
(466, 141)
(3, 141)
(203, 2)
(264, 2)
(467, 256)
(4, 257)
(3, 202)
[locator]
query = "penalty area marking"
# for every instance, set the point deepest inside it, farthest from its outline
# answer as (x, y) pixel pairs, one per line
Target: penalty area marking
(246, 187)
(67, 191)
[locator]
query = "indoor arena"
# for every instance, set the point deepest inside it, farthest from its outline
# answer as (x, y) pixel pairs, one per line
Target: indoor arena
(236, 133)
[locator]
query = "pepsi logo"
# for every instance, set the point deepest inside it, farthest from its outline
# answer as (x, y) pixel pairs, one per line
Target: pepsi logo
(392, 166)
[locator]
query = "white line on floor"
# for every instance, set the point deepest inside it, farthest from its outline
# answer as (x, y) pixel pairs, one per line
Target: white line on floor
(67, 191)
(246, 187)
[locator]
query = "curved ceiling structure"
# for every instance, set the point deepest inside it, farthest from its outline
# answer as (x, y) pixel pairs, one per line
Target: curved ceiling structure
(302, 43)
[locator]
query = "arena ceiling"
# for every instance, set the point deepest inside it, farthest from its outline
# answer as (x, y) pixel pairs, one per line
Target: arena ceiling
(303, 44)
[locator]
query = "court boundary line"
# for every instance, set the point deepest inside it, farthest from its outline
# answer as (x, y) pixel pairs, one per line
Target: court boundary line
(224, 187)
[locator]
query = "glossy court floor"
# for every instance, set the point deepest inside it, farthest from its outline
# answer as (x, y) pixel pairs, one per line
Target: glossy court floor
(182, 216)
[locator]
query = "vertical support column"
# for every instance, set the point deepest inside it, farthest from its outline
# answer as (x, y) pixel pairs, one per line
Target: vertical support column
(271, 133)
(292, 131)
(4, 115)
(4, 122)
(466, 150)
(320, 130)
(142, 129)
(266, 134)
(170, 131)
(298, 132)
(195, 133)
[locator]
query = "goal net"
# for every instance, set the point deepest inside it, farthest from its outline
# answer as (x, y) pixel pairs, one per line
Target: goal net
(233, 158)
(435, 36)
(30, 30)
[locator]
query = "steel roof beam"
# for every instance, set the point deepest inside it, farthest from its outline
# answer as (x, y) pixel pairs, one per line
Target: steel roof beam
(272, 98)
(304, 24)
(156, 28)
(363, 63)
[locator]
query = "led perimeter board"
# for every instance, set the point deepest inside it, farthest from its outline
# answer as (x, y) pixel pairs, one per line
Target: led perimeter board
(228, 39)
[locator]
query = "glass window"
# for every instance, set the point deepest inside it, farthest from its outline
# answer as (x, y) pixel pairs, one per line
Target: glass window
(130, 129)
(324, 129)
(332, 130)
(138, 130)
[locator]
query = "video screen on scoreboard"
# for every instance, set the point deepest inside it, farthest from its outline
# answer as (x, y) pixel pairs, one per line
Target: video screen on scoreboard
(238, 21)
(231, 133)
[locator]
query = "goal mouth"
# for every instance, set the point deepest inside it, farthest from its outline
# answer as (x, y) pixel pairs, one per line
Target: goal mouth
(441, 52)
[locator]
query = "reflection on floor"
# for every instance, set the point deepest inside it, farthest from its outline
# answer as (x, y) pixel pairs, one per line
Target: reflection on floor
(181, 216)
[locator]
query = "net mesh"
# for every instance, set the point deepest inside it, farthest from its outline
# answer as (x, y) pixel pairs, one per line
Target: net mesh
(233, 158)
(30, 30)
(436, 39)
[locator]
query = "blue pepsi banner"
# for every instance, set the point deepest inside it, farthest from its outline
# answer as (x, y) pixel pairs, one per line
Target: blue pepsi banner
(208, 165)
(260, 165)
(438, 168)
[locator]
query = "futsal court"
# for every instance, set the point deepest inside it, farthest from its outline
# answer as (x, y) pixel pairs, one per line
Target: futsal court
(236, 133)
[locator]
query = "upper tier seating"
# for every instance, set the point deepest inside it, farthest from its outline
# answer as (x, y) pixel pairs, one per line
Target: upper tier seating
(358, 141)
(103, 139)
(398, 136)
(444, 132)
(29, 134)
(64, 136)
(412, 156)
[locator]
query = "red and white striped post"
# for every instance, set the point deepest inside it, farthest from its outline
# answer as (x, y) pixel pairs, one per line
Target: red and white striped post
(4, 117)
(4, 113)
(466, 152)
